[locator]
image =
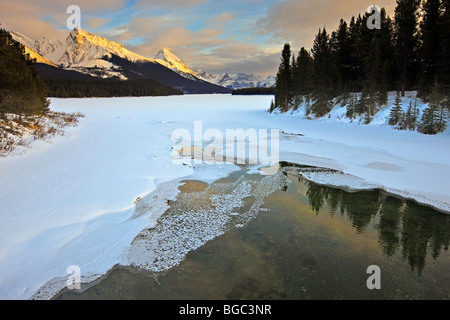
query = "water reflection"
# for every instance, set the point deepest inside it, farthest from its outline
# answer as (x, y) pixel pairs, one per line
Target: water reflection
(310, 242)
(402, 225)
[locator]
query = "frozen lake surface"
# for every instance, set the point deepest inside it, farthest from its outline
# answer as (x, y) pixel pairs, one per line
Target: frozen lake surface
(73, 201)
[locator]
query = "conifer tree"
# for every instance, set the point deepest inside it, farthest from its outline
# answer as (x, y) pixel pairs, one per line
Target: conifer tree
(435, 116)
(406, 41)
(411, 117)
(21, 90)
(325, 73)
(355, 66)
(272, 106)
(321, 52)
(443, 69)
(341, 47)
(283, 92)
(396, 114)
(431, 48)
(303, 73)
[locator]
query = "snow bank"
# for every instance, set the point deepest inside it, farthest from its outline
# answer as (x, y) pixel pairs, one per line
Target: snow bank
(339, 112)
(75, 201)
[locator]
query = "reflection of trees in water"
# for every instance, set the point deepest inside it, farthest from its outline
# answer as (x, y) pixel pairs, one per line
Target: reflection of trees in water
(402, 225)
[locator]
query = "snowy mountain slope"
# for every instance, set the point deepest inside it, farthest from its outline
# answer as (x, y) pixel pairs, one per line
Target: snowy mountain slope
(268, 82)
(38, 57)
(171, 61)
(47, 47)
(92, 55)
(81, 51)
(241, 80)
(89, 55)
(83, 47)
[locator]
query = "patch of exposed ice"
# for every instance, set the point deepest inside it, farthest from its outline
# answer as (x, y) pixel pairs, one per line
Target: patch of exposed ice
(198, 217)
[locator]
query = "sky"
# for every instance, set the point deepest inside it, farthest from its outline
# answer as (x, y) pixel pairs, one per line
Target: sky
(217, 36)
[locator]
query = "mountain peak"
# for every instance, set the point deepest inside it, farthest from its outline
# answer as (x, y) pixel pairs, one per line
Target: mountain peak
(79, 30)
(166, 55)
(171, 61)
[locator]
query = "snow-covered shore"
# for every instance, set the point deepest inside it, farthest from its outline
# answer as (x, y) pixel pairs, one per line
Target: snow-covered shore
(72, 201)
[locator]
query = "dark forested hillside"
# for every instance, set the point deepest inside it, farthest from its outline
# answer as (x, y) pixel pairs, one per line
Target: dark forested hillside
(149, 78)
(254, 91)
(107, 88)
(409, 52)
(72, 84)
(22, 91)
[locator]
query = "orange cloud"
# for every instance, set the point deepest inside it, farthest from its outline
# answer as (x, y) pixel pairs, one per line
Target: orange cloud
(299, 21)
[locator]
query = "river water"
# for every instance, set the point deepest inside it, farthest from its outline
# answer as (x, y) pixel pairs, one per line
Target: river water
(250, 236)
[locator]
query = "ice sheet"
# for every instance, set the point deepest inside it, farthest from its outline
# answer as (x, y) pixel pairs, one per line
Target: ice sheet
(73, 201)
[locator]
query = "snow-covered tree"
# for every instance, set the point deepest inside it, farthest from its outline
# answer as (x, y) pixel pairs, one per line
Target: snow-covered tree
(435, 116)
(397, 114)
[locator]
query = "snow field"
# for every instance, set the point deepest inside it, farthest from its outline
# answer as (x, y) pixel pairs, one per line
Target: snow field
(73, 201)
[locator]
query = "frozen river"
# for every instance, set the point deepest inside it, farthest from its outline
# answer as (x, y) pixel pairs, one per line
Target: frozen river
(73, 202)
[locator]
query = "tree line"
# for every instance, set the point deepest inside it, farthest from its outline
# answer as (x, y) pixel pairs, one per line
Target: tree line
(107, 88)
(410, 52)
(254, 91)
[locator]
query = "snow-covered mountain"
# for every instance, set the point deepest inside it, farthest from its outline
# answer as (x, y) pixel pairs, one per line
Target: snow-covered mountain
(44, 46)
(96, 56)
(268, 82)
(241, 80)
(39, 59)
(171, 61)
(81, 51)
(238, 81)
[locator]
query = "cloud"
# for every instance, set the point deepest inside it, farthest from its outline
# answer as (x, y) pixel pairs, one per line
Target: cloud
(237, 57)
(298, 21)
(209, 49)
(222, 18)
(204, 33)
(49, 17)
(168, 4)
(96, 23)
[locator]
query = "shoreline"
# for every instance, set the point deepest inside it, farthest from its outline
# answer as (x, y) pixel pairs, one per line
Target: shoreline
(81, 188)
(201, 185)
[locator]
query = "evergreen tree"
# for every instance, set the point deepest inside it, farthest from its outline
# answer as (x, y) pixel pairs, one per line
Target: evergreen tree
(21, 90)
(341, 49)
(325, 74)
(406, 42)
(427, 122)
(368, 63)
(355, 68)
(321, 53)
(430, 45)
(411, 117)
(385, 38)
(443, 69)
(303, 73)
(272, 106)
(435, 116)
(396, 115)
(283, 92)
(376, 68)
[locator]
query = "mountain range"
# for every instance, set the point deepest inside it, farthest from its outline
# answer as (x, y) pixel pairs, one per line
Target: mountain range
(82, 55)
